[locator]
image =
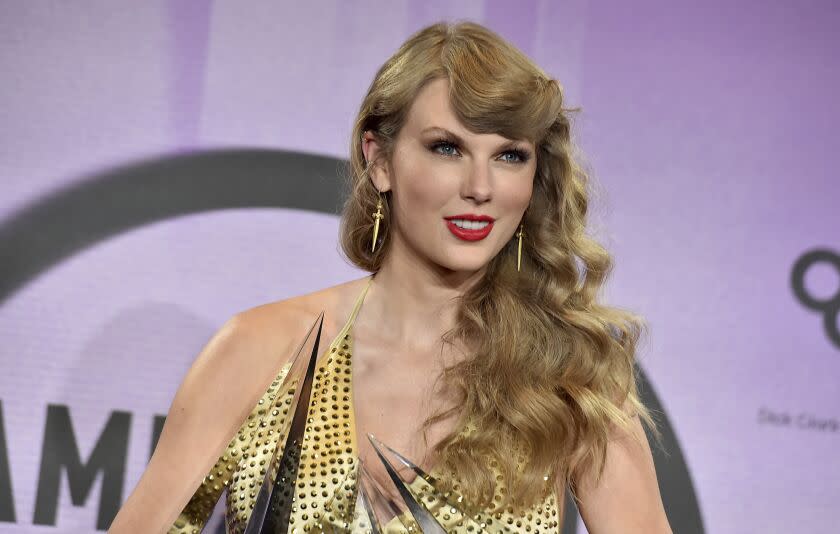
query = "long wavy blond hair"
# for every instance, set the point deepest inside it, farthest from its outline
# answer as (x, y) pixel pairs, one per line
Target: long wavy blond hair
(551, 370)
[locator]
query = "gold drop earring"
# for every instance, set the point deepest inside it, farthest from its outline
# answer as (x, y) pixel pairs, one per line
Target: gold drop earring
(377, 216)
(519, 247)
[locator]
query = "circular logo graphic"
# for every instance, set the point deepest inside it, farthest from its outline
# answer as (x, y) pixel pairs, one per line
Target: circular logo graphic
(829, 307)
(125, 198)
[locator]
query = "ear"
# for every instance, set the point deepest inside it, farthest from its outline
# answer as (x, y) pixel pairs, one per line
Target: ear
(379, 172)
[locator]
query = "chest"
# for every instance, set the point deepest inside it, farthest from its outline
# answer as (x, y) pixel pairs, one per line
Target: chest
(333, 443)
(397, 394)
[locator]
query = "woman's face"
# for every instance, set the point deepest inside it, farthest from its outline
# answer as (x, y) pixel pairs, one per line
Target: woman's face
(457, 197)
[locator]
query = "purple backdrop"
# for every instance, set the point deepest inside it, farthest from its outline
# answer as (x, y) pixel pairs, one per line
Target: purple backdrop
(709, 126)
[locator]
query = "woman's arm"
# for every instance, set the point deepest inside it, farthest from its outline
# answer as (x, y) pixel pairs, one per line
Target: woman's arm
(221, 387)
(626, 499)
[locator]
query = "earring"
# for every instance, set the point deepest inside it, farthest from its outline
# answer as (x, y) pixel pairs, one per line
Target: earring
(519, 247)
(377, 216)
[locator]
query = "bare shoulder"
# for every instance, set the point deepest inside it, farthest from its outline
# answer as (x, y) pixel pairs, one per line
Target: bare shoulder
(221, 387)
(261, 339)
(281, 324)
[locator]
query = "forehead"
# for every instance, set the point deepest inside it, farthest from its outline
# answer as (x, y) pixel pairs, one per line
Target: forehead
(432, 108)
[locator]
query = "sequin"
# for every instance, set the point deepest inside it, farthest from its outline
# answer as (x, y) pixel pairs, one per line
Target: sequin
(242, 466)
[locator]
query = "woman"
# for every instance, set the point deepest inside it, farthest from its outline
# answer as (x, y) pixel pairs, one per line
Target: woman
(478, 346)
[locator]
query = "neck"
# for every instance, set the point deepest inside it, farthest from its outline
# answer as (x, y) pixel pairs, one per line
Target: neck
(413, 302)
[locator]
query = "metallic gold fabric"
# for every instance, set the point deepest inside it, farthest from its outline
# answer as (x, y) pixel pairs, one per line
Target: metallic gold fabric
(328, 465)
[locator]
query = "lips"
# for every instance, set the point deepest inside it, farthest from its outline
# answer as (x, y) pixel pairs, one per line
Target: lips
(469, 234)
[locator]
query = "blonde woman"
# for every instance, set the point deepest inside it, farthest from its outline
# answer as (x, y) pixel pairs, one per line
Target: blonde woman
(477, 347)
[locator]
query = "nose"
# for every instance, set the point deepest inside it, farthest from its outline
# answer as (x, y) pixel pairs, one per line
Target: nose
(476, 183)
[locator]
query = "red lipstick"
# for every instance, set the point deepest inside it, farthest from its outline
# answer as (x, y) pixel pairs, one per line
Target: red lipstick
(468, 234)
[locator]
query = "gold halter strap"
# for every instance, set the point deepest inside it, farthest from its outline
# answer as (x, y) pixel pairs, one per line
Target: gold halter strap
(356, 306)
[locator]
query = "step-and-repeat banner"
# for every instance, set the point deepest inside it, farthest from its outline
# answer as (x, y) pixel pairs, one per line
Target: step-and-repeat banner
(167, 164)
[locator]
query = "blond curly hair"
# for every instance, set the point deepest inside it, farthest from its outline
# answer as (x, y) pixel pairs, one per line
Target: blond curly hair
(551, 370)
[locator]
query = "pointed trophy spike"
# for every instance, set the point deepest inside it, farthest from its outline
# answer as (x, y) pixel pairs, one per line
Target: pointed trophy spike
(371, 517)
(426, 521)
(366, 502)
(273, 505)
(375, 495)
(375, 489)
(406, 462)
(452, 499)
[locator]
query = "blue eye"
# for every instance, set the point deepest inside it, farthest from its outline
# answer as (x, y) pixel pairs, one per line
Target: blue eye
(450, 149)
(444, 144)
(521, 156)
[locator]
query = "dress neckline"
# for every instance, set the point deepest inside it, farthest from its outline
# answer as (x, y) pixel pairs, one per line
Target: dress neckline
(346, 338)
(333, 451)
(357, 305)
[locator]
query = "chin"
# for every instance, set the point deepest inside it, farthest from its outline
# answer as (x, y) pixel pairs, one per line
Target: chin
(466, 264)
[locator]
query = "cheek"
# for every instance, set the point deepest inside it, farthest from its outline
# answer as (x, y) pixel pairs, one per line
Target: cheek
(516, 194)
(422, 187)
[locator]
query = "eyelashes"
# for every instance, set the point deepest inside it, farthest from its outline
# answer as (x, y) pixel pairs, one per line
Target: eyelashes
(522, 156)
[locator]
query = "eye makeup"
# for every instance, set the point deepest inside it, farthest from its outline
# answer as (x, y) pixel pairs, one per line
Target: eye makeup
(443, 140)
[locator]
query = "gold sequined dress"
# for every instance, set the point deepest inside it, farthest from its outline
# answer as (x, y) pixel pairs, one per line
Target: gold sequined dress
(329, 457)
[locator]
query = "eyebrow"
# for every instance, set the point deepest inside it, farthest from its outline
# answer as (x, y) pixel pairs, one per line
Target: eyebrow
(510, 143)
